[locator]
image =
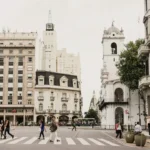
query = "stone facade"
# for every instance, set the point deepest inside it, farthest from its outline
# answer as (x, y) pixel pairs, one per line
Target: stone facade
(17, 76)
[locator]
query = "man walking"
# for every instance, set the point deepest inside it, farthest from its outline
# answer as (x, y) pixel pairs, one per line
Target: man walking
(73, 125)
(149, 127)
(7, 129)
(53, 129)
(42, 129)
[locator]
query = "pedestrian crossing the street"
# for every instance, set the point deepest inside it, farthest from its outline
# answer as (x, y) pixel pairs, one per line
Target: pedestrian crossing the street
(68, 141)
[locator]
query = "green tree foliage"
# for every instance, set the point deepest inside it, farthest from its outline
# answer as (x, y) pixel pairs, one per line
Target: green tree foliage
(92, 114)
(131, 67)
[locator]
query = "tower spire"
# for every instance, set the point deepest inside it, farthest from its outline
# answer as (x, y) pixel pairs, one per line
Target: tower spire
(49, 17)
(113, 23)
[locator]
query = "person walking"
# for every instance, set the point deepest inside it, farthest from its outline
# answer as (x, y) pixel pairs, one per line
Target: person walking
(149, 127)
(7, 129)
(73, 125)
(42, 129)
(53, 129)
(118, 130)
(2, 128)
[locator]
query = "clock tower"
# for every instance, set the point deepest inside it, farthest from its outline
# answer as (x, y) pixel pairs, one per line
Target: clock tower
(50, 47)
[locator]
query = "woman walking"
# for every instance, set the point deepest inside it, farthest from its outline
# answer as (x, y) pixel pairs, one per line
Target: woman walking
(42, 129)
(118, 130)
(7, 129)
(53, 129)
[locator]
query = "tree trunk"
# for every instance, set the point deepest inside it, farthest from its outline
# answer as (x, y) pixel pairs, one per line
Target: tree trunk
(144, 106)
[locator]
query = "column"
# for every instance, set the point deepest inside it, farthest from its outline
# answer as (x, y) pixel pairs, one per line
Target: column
(24, 117)
(4, 115)
(14, 120)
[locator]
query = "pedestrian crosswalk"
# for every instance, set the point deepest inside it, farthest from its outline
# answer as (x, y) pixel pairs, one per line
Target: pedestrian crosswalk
(68, 141)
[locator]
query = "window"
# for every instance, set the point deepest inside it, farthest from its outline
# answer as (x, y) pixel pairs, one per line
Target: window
(30, 43)
(29, 101)
(9, 102)
(75, 83)
(10, 71)
(75, 95)
(114, 48)
(10, 89)
(19, 89)
(1, 43)
(114, 59)
(20, 43)
(41, 80)
(1, 51)
(64, 107)
(10, 80)
(40, 107)
(29, 76)
(1, 89)
(20, 79)
(11, 60)
(20, 102)
(1, 71)
(20, 71)
(1, 97)
(29, 59)
(51, 80)
(29, 93)
(1, 61)
(64, 81)
(10, 43)
(52, 93)
(10, 51)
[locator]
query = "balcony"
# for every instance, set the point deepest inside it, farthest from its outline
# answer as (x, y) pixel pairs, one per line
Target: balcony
(40, 98)
(104, 104)
(75, 100)
(143, 50)
(40, 112)
(52, 111)
(144, 81)
(76, 112)
(64, 111)
(64, 99)
(52, 98)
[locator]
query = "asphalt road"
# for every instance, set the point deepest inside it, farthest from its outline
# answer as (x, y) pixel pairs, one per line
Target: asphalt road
(27, 138)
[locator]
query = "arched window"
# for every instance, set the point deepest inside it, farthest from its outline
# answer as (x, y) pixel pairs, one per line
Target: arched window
(114, 48)
(64, 107)
(40, 107)
(118, 95)
(52, 106)
(75, 107)
(119, 116)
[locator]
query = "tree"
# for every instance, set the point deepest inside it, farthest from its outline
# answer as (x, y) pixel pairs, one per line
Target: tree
(92, 114)
(131, 67)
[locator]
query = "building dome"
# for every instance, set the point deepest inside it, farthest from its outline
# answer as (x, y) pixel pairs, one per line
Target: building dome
(113, 29)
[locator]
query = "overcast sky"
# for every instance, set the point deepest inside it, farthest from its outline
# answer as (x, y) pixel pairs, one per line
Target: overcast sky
(79, 25)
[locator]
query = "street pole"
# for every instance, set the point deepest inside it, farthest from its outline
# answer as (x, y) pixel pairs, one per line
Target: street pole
(139, 111)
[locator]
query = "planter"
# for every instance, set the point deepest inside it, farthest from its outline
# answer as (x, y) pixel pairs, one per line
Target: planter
(140, 139)
(130, 137)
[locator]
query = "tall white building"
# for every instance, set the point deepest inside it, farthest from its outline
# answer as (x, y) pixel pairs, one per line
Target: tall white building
(115, 104)
(144, 51)
(93, 102)
(52, 59)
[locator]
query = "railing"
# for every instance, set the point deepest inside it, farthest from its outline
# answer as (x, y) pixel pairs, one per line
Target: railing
(75, 100)
(143, 49)
(40, 97)
(144, 80)
(51, 111)
(64, 99)
(64, 111)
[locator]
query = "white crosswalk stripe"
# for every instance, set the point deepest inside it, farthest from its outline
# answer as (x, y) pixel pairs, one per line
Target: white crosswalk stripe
(70, 141)
(44, 141)
(96, 142)
(108, 142)
(17, 140)
(31, 140)
(6, 140)
(84, 142)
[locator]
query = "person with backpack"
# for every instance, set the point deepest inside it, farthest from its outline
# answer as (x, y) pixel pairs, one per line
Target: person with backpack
(42, 129)
(53, 129)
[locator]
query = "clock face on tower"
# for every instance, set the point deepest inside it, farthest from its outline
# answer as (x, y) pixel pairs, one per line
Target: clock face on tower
(49, 26)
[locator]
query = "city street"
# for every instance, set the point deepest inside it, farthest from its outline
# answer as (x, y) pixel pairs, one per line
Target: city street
(27, 138)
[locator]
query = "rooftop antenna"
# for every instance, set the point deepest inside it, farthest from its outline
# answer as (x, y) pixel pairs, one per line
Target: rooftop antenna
(49, 17)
